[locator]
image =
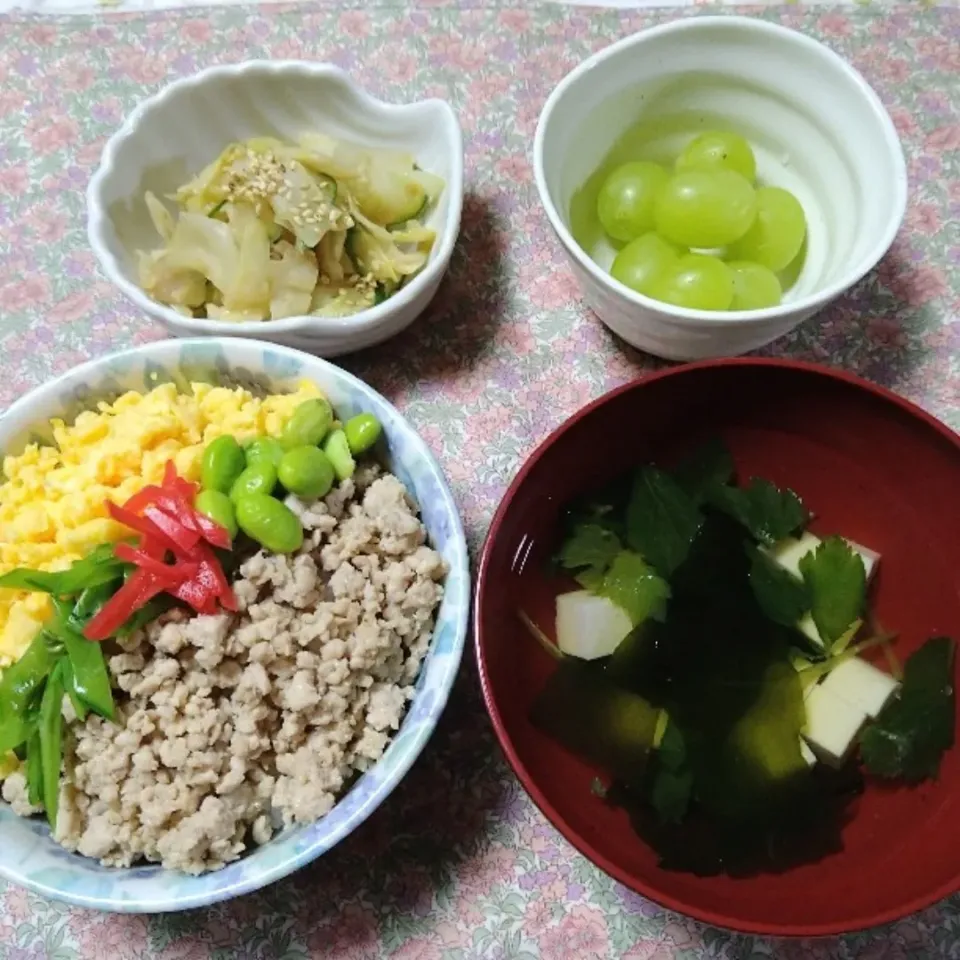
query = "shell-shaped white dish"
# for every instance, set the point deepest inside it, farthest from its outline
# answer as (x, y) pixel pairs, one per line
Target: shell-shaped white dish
(173, 135)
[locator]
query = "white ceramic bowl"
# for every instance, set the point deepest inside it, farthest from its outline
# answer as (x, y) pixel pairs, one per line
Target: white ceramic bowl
(173, 135)
(817, 129)
(27, 854)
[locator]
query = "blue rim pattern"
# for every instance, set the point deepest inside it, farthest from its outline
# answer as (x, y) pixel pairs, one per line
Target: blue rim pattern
(27, 854)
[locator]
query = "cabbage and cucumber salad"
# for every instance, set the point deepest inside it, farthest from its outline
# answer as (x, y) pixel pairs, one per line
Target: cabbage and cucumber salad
(718, 664)
(271, 230)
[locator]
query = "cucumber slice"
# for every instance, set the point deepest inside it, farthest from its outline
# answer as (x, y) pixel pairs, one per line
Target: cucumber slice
(351, 248)
(380, 256)
(366, 254)
(384, 291)
(389, 194)
(340, 301)
(362, 249)
(422, 209)
(431, 183)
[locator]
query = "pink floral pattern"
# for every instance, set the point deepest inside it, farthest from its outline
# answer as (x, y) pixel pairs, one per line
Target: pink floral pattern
(459, 863)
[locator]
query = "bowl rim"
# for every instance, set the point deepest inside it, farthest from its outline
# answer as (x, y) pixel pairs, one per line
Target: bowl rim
(303, 855)
(481, 586)
(728, 318)
(366, 320)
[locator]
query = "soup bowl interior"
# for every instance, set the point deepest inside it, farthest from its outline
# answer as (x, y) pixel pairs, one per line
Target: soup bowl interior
(869, 466)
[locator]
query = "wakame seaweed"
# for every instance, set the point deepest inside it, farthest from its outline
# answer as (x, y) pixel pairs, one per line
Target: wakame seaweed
(721, 785)
(721, 669)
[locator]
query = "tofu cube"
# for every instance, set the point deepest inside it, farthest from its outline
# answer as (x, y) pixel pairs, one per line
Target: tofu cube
(862, 685)
(832, 724)
(589, 626)
(788, 553)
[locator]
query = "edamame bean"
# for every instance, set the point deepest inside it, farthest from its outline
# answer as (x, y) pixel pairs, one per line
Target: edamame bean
(264, 448)
(362, 431)
(271, 523)
(307, 472)
(257, 478)
(219, 508)
(223, 461)
(337, 449)
(308, 424)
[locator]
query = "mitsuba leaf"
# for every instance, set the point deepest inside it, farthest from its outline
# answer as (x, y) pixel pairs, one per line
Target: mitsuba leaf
(635, 586)
(913, 732)
(662, 520)
(769, 513)
(589, 545)
(590, 578)
(836, 583)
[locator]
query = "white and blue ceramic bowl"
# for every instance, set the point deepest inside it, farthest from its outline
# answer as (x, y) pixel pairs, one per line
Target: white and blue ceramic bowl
(27, 854)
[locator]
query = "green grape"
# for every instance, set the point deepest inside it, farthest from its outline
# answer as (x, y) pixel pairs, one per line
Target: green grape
(625, 203)
(719, 150)
(643, 262)
(698, 282)
(777, 233)
(706, 209)
(754, 286)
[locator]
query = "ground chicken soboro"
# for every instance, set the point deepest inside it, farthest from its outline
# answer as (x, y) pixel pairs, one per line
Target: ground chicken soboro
(232, 724)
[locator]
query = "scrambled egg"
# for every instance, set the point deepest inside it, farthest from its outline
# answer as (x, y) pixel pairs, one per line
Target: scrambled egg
(53, 503)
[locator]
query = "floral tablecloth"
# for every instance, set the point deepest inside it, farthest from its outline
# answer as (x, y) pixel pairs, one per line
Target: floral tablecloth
(55, 7)
(458, 863)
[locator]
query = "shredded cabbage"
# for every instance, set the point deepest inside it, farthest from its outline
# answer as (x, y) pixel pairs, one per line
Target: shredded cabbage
(293, 279)
(272, 230)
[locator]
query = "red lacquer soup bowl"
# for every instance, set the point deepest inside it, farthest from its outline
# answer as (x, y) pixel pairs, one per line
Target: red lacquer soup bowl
(870, 466)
